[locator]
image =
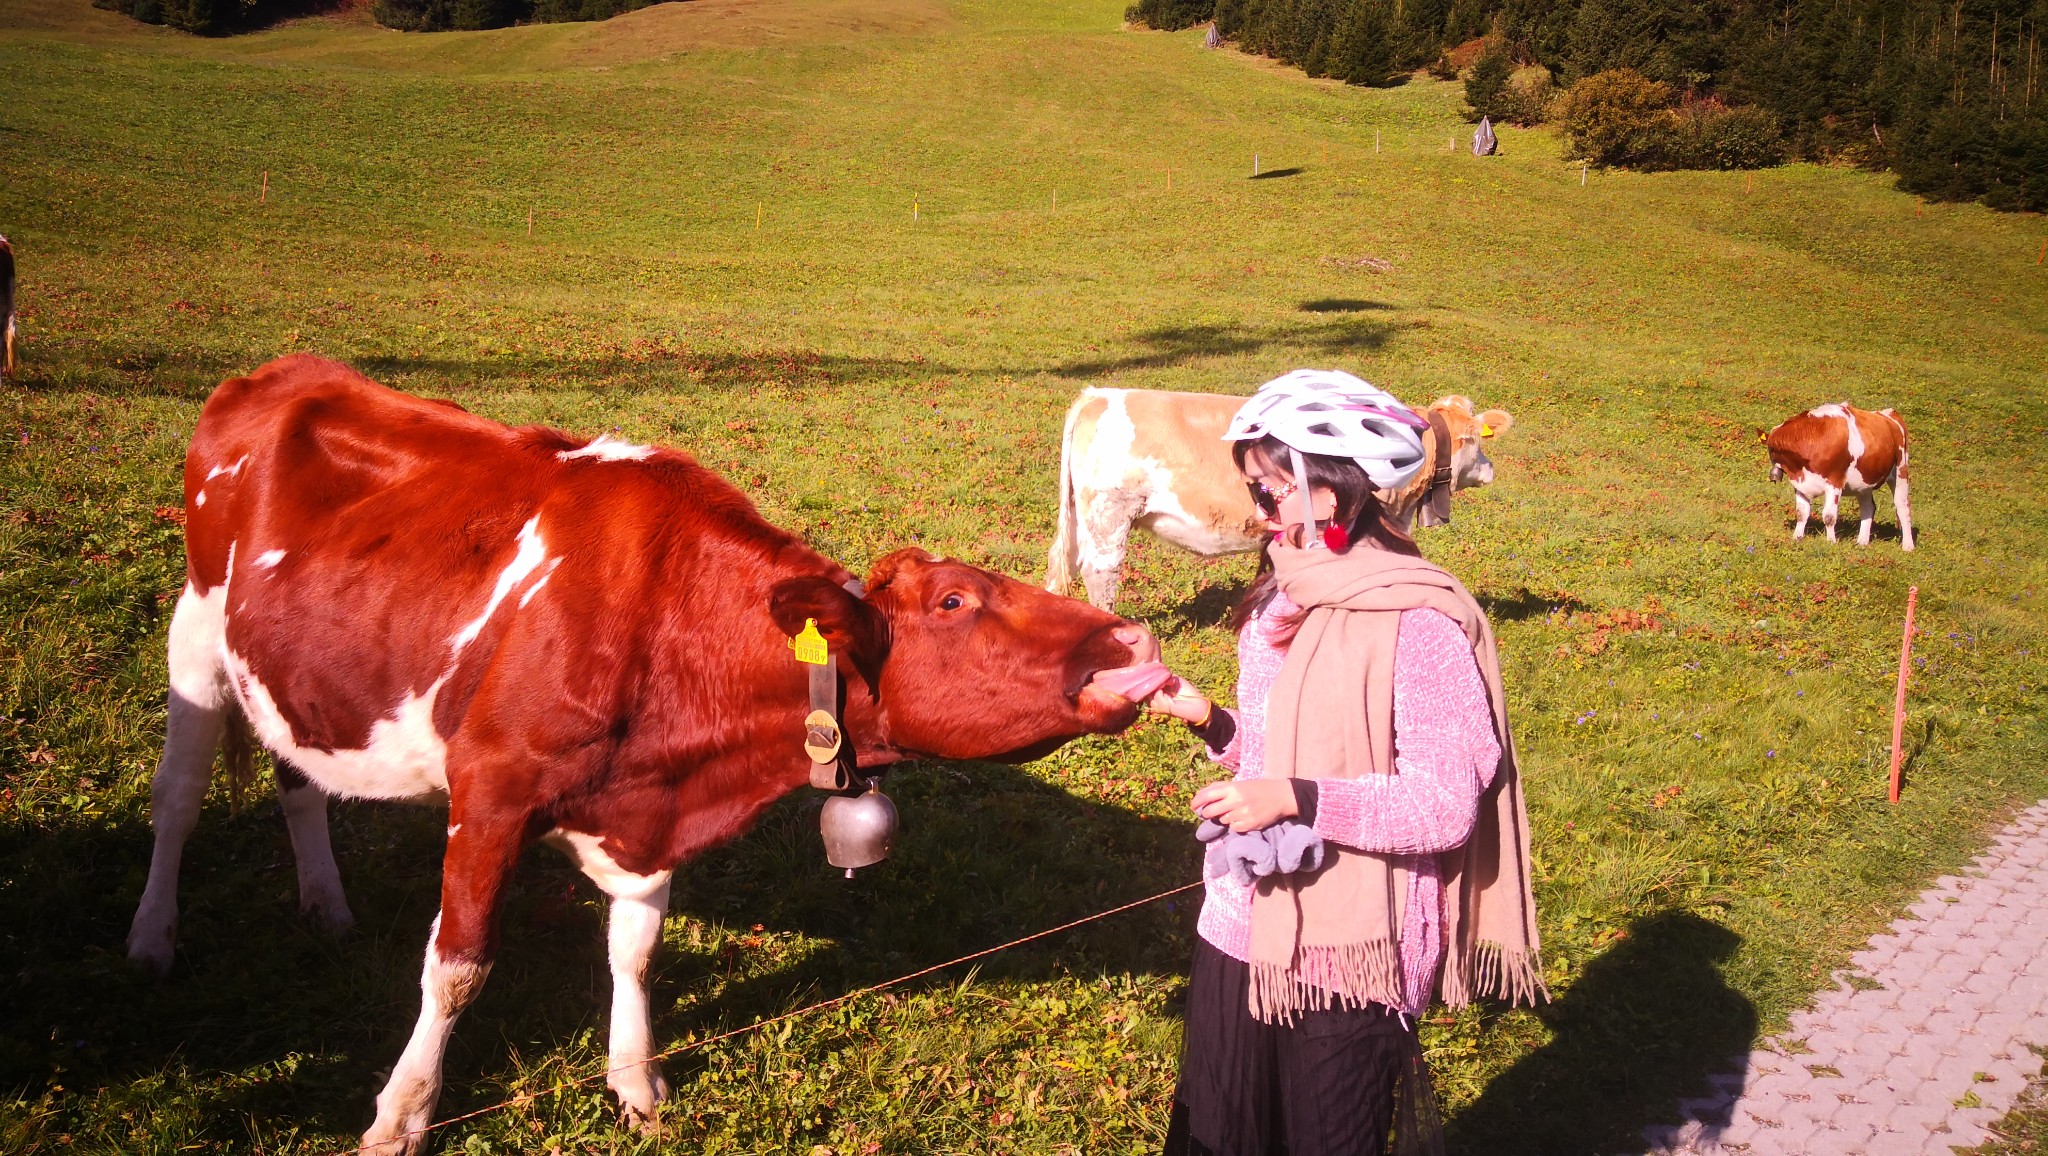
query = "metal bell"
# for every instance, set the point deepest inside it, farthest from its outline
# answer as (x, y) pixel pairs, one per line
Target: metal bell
(858, 828)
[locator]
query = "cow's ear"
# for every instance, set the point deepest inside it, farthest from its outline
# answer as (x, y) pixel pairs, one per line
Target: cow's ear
(1495, 421)
(851, 627)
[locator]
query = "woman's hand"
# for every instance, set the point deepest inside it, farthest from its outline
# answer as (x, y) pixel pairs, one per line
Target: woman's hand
(1181, 700)
(1247, 804)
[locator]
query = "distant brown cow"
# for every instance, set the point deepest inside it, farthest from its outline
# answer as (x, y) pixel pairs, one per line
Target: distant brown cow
(583, 642)
(1837, 449)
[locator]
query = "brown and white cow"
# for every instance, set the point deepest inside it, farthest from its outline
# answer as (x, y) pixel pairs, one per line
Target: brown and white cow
(1837, 449)
(6, 310)
(585, 642)
(1157, 461)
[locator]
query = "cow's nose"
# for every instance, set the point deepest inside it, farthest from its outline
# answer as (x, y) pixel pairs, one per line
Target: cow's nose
(1144, 647)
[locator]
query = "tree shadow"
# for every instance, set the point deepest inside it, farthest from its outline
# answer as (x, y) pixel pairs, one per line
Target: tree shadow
(1341, 305)
(1645, 1025)
(311, 1024)
(1179, 344)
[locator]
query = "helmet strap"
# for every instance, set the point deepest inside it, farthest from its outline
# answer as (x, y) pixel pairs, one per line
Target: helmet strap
(1308, 502)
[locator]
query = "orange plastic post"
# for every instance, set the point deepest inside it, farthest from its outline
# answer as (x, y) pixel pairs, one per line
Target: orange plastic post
(263, 194)
(1899, 701)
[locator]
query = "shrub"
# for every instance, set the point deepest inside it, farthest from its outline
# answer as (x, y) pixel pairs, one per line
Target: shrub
(1617, 117)
(1170, 15)
(1620, 118)
(208, 17)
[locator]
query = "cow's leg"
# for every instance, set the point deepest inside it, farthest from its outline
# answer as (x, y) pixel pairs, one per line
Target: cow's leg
(1831, 511)
(1905, 511)
(1866, 508)
(1105, 536)
(197, 718)
(481, 854)
(638, 904)
(305, 816)
(1804, 505)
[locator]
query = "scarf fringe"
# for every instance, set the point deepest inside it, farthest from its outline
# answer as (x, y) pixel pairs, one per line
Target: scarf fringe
(1347, 974)
(1507, 973)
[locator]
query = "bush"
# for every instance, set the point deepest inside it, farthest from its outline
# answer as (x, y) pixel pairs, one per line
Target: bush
(1617, 117)
(208, 17)
(1170, 15)
(1715, 137)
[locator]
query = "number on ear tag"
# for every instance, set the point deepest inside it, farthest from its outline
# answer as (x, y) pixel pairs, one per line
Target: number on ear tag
(809, 644)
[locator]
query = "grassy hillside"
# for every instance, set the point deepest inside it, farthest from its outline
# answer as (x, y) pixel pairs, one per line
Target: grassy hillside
(860, 257)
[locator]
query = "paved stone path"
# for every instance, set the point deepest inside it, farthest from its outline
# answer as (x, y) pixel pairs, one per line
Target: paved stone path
(1924, 1041)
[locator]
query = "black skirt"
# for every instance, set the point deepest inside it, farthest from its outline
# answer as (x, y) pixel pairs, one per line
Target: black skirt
(1336, 1082)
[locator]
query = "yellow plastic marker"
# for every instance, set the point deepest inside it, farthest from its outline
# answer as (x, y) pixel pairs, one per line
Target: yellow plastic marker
(809, 644)
(1485, 431)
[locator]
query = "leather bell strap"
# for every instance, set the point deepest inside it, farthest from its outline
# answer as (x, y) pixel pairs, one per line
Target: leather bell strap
(832, 761)
(1436, 504)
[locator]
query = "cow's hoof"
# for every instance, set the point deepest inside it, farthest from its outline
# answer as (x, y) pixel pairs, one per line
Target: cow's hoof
(393, 1139)
(328, 916)
(151, 953)
(640, 1091)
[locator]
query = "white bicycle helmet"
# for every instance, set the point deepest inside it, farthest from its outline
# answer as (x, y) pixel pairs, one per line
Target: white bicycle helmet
(1333, 414)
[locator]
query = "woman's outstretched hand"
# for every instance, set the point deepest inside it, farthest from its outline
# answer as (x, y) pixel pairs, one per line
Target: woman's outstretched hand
(1180, 699)
(1247, 804)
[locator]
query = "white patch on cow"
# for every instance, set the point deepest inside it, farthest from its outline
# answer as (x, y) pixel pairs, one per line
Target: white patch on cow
(1831, 409)
(452, 828)
(199, 499)
(638, 904)
(268, 559)
(606, 449)
(540, 581)
(524, 561)
(404, 759)
(197, 627)
(1856, 446)
(232, 471)
(406, 1105)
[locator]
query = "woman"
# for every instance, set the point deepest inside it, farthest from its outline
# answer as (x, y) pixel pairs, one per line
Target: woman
(1374, 835)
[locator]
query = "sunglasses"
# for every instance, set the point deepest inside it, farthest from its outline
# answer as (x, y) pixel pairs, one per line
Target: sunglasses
(1268, 498)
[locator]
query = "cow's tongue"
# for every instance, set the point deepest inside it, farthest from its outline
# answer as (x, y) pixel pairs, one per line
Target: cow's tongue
(1135, 683)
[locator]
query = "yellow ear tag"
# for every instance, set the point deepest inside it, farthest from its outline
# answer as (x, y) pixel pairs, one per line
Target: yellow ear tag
(1485, 431)
(809, 644)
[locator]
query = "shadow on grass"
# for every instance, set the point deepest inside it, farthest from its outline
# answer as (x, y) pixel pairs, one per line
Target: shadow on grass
(1341, 305)
(262, 1019)
(153, 371)
(1643, 1027)
(1523, 603)
(1179, 344)
(1211, 605)
(1276, 174)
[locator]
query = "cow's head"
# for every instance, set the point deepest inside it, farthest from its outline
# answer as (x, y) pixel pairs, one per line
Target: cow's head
(969, 664)
(1469, 431)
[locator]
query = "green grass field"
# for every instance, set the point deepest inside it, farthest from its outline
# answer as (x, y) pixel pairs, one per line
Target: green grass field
(860, 256)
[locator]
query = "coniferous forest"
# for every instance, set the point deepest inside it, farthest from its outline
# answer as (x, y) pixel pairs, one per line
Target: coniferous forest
(1952, 95)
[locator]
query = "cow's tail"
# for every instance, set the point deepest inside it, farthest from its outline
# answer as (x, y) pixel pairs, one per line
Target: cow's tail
(237, 754)
(1063, 561)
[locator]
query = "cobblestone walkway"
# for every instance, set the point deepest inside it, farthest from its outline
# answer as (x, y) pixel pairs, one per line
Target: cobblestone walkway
(1924, 1042)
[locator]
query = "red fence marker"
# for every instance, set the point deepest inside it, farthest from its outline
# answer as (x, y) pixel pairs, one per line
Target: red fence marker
(1899, 702)
(263, 194)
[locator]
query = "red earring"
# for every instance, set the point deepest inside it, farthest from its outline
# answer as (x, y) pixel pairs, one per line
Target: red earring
(1336, 539)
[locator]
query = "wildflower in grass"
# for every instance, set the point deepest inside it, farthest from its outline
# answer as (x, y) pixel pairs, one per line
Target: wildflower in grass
(1772, 753)
(1696, 734)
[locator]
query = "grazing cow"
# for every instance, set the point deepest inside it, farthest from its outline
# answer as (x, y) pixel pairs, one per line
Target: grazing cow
(1157, 461)
(584, 642)
(6, 309)
(1837, 449)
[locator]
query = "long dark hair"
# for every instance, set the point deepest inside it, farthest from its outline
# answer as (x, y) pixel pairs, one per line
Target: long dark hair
(1359, 511)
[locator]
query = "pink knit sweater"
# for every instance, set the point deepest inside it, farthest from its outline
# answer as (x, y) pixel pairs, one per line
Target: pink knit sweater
(1445, 755)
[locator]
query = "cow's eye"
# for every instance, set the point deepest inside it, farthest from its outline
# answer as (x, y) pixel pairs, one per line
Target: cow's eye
(952, 602)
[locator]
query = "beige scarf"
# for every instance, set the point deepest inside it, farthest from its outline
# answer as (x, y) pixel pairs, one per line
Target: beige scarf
(1336, 933)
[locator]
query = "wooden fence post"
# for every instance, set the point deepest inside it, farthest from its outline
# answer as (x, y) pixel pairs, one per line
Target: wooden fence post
(1899, 700)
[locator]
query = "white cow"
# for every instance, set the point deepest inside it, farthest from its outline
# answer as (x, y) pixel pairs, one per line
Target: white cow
(1157, 461)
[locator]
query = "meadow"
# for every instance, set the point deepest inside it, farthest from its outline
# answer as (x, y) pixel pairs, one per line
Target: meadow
(859, 257)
